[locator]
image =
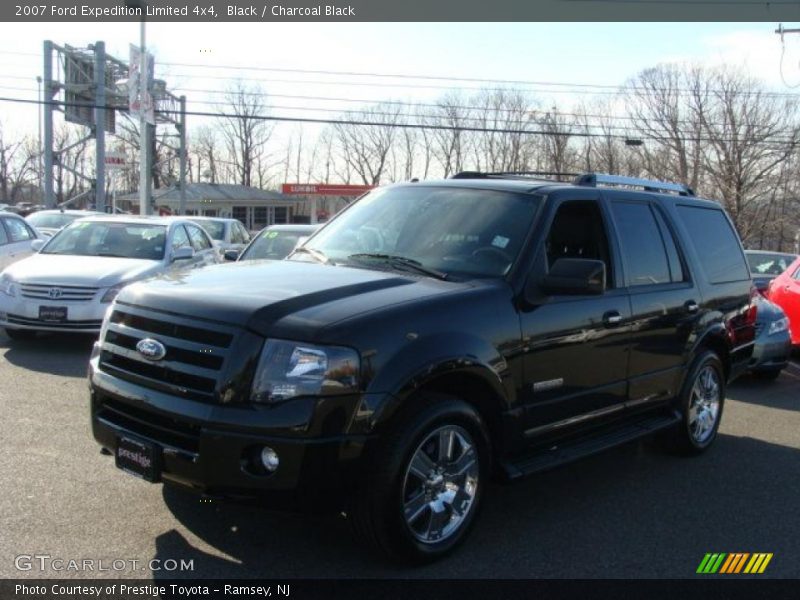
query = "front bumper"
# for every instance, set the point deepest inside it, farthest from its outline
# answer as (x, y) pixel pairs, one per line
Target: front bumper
(210, 449)
(23, 313)
(771, 351)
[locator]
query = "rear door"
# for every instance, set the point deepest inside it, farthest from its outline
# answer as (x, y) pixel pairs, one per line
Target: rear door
(20, 236)
(5, 247)
(665, 300)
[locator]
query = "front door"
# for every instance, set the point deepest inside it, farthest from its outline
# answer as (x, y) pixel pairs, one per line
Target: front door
(575, 366)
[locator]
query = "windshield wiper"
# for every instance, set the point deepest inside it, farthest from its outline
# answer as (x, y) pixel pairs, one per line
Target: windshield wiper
(315, 254)
(111, 254)
(402, 262)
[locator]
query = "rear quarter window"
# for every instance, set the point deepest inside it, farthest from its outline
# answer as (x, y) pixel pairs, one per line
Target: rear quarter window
(716, 243)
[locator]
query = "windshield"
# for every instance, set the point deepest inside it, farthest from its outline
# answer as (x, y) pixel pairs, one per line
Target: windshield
(104, 238)
(215, 229)
(450, 230)
(769, 264)
(51, 220)
(273, 244)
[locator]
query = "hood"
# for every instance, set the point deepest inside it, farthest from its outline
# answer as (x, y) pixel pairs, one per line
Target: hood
(90, 271)
(263, 294)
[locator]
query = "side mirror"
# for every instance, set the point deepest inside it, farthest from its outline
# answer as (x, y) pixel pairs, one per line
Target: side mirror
(37, 245)
(231, 255)
(575, 277)
(184, 253)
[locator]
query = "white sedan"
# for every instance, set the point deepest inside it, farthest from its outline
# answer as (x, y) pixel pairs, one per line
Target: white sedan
(16, 239)
(227, 234)
(70, 283)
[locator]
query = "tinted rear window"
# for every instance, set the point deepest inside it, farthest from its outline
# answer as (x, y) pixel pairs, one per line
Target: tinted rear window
(716, 243)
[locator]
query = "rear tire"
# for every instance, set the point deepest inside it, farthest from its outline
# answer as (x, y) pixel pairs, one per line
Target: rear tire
(423, 491)
(20, 334)
(701, 402)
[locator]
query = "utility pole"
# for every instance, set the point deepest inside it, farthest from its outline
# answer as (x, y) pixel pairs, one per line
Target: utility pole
(100, 126)
(39, 167)
(49, 196)
(182, 146)
(144, 146)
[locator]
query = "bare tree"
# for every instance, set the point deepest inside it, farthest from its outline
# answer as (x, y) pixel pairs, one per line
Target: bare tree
(506, 114)
(557, 151)
(750, 135)
(451, 145)
(244, 130)
(365, 147)
(657, 101)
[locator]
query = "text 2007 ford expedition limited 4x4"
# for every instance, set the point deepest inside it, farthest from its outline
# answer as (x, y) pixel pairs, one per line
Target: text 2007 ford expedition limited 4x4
(433, 335)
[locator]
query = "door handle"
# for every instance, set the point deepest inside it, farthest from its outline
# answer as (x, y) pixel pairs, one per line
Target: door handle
(612, 318)
(691, 306)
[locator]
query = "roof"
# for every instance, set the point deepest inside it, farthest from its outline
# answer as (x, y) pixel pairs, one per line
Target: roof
(214, 191)
(545, 186)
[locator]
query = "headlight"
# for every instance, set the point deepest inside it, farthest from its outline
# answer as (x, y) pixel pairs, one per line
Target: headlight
(8, 286)
(290, 369)
(111, 293)
(778, 326)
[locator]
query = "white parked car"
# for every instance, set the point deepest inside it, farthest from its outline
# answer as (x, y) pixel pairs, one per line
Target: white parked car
(16, 238)
(48, 222)
(227, 234)
(69, 283)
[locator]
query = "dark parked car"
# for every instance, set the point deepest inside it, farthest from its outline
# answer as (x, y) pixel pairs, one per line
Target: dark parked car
(773, 347)
(766, 266)
(431, 336)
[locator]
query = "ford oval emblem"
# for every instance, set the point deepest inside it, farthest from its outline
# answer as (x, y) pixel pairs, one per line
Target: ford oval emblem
(151, 349)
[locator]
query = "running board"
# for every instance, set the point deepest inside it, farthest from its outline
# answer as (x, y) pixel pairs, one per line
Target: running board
(561, 453)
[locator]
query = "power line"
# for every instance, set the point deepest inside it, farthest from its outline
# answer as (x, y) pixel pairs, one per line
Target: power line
(399, 125)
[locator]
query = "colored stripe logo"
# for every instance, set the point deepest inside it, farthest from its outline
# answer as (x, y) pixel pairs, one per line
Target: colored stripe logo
(734, 563)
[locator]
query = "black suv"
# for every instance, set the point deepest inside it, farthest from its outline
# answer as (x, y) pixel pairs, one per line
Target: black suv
(433, 335)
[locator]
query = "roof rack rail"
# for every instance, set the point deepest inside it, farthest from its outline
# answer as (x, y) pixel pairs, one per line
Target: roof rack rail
(545, 175)
(649, 185)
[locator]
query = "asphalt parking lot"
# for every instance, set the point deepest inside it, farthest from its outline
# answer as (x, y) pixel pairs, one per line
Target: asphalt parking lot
(631, 512)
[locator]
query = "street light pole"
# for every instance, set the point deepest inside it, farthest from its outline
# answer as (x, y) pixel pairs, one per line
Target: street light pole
(144, 146)
(39, 168)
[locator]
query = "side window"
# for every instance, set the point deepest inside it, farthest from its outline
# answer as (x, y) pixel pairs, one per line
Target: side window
(198, 238)
(716, 243)
(667, 236)
(243, 233)
(236, 234)
(3, 234)
(180, 239)
(578, 231)
(642, 244)
(18, 231)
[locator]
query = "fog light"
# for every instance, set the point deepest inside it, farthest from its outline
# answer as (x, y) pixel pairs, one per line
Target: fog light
(269, 459)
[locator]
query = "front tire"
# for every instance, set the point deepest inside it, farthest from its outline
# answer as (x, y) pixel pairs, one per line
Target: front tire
(20, 334)
(426, 483)
(701, 402)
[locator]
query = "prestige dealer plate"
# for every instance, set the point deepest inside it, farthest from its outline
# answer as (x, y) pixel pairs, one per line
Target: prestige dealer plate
(139, 458)
(53, 313)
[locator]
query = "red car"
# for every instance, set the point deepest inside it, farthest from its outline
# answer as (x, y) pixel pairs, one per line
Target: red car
(784, 291)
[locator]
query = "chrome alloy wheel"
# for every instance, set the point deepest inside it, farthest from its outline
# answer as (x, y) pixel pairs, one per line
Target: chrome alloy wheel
(704, 404)
(440, 484)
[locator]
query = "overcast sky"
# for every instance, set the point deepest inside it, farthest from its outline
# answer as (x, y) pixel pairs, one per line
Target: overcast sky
(596, 53)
